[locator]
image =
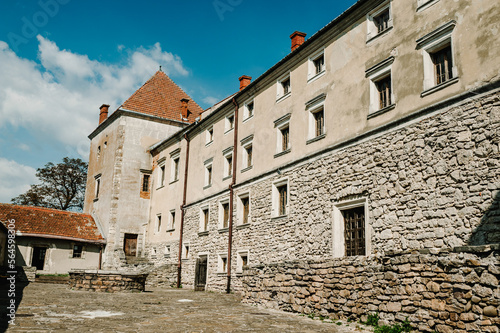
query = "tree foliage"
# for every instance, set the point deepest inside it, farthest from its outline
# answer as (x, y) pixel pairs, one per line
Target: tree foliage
(62, 186)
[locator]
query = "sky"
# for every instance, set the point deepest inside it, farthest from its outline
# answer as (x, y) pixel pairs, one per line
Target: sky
(60, 60)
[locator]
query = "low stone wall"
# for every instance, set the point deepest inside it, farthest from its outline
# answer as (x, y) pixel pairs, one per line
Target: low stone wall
(163, 276)
(106, 281)
(447, 291)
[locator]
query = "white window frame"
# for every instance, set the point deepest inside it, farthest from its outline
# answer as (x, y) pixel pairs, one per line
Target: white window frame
(280, 93)
(280, 124)
(245, 144)
(311, 68)
(227, 123)
(375, 74)
(431, 43)
(171, 220)
(228, 169)
(220, 263)
(186, 251)
(209, 176)
(423, 4)
(202, 218)
(314, 106)
(221, 213)
(167, 251)
(240, 207)
(239, 260)
(161, 172)
(209, 136)
(371, 27)
(246, 110)
(157, 227)
(338, 226)
(175, 155)
(275, 212)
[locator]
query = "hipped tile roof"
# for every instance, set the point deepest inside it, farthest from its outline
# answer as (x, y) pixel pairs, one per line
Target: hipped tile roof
(50, 223)
(161, 97)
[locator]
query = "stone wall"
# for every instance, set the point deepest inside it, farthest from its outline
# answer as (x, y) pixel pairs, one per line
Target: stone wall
(441, 291)
(163, 276)
(428, 182)
(106, 281)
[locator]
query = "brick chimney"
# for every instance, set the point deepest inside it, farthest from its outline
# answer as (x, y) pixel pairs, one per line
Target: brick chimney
(297, 39)
(184, 108)
(103, 114)
(244, 81)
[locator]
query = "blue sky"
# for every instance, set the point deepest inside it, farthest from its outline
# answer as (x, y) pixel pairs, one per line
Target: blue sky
(61, 59)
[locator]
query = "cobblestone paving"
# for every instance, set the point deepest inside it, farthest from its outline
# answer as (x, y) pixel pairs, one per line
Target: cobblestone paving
(56, 308)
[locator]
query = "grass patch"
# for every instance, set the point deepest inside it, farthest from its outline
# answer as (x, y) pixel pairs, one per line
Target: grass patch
(396, 328)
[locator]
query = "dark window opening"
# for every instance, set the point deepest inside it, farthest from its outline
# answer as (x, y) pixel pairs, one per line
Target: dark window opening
(145, 183)
(384, 91)
(77, 251)
(443, 65)
(354, 220)
(382, 21)
(283, 194)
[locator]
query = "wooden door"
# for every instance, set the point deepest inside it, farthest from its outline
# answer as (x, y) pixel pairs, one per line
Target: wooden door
(130, 245)
(200, 277)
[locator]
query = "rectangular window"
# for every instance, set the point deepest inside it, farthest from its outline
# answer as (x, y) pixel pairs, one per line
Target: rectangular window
(186, 253)
(172, 220)
(145, 183)
(77, 250)
(319, 122)
(225, 217)
(158, 223)
(319, 64)
(208, 172)
(162, 175)
(176, 169)
(250, 109)
(285, 138)
(205, 217)
(283, 197)
(443, 64)
(248, 150)
(229, 123)
(97, 186)
(285, 84)
(354, 230)
(379, 21)
(382, 21)
(384, 91)
(284, 87)
(166, 251)
(222, 263)
(245, 203)
(242, 261)
(209, 135)
(229, 162)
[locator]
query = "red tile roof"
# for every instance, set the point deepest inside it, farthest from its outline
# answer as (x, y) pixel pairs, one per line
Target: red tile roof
(50, 223)
(161, 97)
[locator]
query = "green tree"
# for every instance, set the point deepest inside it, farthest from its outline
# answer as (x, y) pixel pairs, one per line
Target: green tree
(62, 186)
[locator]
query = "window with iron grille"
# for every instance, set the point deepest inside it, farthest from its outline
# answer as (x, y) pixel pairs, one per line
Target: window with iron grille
(443, 65)
(145, 183)
(354, 231)
(384, 92)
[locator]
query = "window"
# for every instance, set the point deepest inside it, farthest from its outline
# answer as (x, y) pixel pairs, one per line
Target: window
(229, 123)
(209, 135)
(97, 186)
(174, 158)
(225, 215)
(244, 209)
(350, 233)
(381, 92)
(158, 224)
(315, 108)
(316, 65)
(162, 175)
(242, 261)
(208, 172)
(437, 50)
(171, 222)
(319, 122)
(204, 219)
(379, 21)
(222, 265)
(145, 183)
(248, 110)
(98, 152)
(166, 251)
(228, 162)
(247, 153)
(280, 198)
(77, 251)
(284, 87)
(283, 135)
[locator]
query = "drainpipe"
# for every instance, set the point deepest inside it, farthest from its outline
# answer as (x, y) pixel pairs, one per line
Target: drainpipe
(231, 197)
(179, 265)
(100, 257)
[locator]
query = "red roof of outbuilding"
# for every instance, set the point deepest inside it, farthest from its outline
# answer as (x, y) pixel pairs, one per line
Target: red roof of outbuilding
(50, 223)
(161, 97)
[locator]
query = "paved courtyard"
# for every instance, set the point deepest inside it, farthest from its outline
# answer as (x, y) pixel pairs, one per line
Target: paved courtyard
(56, 308)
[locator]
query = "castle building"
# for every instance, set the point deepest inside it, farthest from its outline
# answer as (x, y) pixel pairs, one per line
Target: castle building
(378, 133)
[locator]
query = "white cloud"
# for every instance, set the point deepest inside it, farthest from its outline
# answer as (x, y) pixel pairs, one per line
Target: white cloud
(210, 100)
(15, 179)
(57, 101)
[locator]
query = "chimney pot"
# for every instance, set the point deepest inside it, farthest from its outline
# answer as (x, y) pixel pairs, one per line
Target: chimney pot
(103, 113)
(244, 81)
(297, 39)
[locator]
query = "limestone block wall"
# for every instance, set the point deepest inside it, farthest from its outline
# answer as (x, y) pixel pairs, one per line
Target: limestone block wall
(163, 276)
(432, 182)
(107, 281)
